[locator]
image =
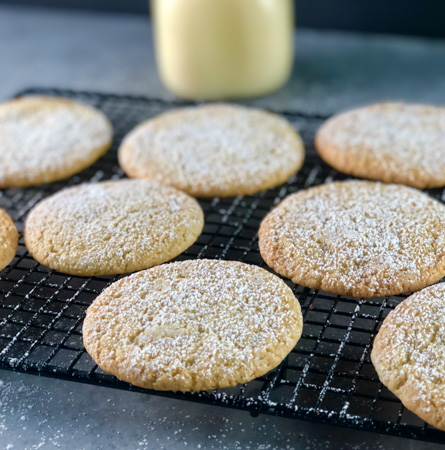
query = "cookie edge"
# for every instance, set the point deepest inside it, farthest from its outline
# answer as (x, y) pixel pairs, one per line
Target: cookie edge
(92, 347)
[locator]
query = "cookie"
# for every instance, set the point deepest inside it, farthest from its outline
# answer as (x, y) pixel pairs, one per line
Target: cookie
(112, 227)
(9, 239)
(357, 238)
(409, 354)
(46, 139)
(390, 142)
(214, 150)
(193, 325)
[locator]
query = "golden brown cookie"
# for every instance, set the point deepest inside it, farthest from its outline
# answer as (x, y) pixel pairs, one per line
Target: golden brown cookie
(357, 238)
(112, 227)
(390, 142)
(409, 354)
(46, 139)
(193, 325)
(214, 150)
(9, 239)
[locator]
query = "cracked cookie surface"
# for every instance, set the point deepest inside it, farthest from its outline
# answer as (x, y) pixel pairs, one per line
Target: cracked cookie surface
(112, 227)
(409, 354)
(46, 139)
(193, 325)
(390, 142)
(357, 238)
(217, 150)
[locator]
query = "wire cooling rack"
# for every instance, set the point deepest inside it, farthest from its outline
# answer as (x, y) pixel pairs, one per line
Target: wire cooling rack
(328, 376)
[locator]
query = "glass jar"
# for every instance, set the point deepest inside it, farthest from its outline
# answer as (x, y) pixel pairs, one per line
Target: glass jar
(215, 49)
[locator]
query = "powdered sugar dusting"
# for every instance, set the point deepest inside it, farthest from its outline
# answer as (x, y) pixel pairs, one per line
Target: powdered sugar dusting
(357, 238)
(217, 149)
(43, 139)
(112, 227)
(193, 325)
(392, 142)
(409, 353)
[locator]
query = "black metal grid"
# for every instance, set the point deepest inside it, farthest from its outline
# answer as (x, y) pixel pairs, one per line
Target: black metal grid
(328, 377)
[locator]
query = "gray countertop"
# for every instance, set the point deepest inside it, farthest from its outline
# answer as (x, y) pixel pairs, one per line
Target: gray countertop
(39, 412)
(109, 53)
(114, 53)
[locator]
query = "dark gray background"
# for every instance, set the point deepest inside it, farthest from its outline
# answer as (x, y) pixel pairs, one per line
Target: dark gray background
(415, 17)
(114, 53)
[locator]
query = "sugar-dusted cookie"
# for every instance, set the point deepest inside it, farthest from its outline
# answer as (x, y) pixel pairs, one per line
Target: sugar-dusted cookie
(46, 139)
(214, 150)
(112, 227)
(193, 325)
(409, 354)
(9, 239)
(357, 238)
(391, 142)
